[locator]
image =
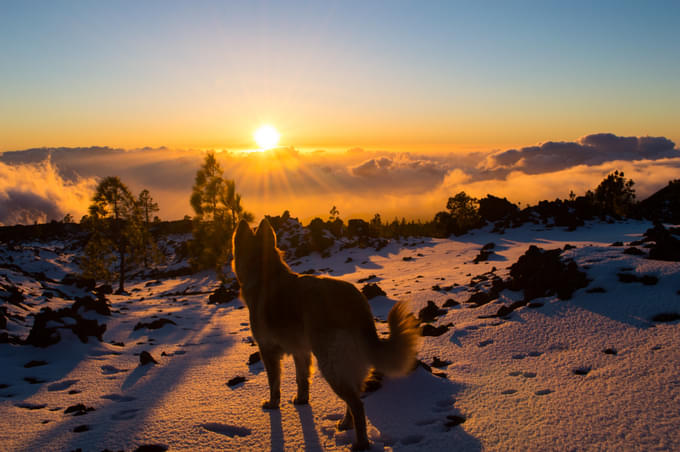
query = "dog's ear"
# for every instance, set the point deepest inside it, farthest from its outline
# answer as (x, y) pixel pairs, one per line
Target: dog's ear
(243, 232)
(265, 234)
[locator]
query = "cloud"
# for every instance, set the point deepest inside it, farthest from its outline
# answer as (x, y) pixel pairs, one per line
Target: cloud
(589, 150)
(37, 192)
(360, 182)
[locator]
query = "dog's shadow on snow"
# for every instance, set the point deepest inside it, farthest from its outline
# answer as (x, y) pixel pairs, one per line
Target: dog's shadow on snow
(412, 411)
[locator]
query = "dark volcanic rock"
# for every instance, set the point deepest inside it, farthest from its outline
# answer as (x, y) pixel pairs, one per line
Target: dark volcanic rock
(434, 331)
(452, 420)
(542, 273)
(42, 336)
(666, 317)
(78, 410)
(430, 312)
(450, 302)
(666, 247)
(254, 358)
(647, 280)
(146, 358)
(87, 284)
(100, 306)
(81, 428)
(236, 380)
(35, 363)
(438, 363)
(372, 290)
(154, 325)
(634, 251)
(224, 294)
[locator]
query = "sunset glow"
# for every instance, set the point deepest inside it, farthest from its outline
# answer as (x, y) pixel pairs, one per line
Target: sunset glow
(266, 137)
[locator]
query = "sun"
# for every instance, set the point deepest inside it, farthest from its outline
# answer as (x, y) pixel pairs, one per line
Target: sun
(266, 137)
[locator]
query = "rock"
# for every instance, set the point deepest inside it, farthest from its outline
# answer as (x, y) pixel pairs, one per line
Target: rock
(154, 325)
(372, 290)
(609, 351)
(100, 306)
(151, 448)
(146, 358)
(581, 371)
(617, 244)
(224, 294)
(254, 358)
(35, 363)
(647, 280)
(78, 410)
(453, 419)
(430, 312)
(71, 279)
(666, 247)
(429, 330)
(81, 428)
(634, 251)
(104, 289)
(438, 363)
(450, 302)
(43, 336)
(541, 273)
(482, 256)
(407, 258)
(368, 278)
(236, 380)
(666, 317)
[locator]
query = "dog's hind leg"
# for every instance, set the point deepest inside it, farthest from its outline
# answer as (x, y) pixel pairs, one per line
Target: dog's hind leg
(271, 357)
(346, 422)
(355, 408)
(303, 362)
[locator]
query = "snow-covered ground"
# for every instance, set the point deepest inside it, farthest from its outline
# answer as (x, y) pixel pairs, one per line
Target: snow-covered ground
(538, 379)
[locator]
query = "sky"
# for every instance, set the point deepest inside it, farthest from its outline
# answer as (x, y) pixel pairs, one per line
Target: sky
(383, 107)
(410, 76)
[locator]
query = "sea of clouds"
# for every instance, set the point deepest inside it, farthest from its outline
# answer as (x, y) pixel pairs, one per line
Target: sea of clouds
(48, 183)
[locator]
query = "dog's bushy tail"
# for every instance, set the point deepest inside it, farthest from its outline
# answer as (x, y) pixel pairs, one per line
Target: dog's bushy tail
(396, 355)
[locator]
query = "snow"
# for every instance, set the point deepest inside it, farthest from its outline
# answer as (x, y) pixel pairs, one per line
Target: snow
(536, 380)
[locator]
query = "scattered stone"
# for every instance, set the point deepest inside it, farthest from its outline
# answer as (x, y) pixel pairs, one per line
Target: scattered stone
(666, 247)
(235, 381)
(634, 251)
(581, 370)
(450, 302)
(348, 260)
(372, 290)
(146, 358)
(81, 428)
(35, 363)
(43, 336)
(453, 420)
(254, 358)
(430, 312)
(438, 363)
(30, 406)
(596, 290)
(100, 306)
(568, 247)
(647, 280)
(104, 289)
(368, 278)
(151, 448)
(118, 344)
(224, 294)
(435, 331)
(535, 305)
(78, 409)
(617, 244)
(609, 351)
(666, 317)
(541, 273)
(154, 325)
(407, 258)
(34, 380)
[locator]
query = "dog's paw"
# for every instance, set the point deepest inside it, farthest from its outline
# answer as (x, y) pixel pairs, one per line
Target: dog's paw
(269, 405)
(301, 401)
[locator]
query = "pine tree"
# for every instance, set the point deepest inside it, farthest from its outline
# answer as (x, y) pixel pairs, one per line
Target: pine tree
(147, 208)
(218, 209)
(114, 223)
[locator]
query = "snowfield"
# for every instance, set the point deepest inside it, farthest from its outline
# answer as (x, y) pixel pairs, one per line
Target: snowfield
(593, 372)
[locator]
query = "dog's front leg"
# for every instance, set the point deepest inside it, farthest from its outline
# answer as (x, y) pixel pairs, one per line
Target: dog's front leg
(272, 364)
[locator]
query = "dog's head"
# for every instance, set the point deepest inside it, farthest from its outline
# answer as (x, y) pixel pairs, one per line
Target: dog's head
(254, 252)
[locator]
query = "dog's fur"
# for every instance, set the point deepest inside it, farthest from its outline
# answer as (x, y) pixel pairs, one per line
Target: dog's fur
(302, 314)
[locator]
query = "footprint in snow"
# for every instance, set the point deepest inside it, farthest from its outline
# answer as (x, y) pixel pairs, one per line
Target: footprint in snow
(125, 415)
(515, 373)
(485, 343)
(508, 391)
(529, 374)
(544, 392)
(581, 370)
(61, 385)
(118, 398)
(110, 370)
(226, 429)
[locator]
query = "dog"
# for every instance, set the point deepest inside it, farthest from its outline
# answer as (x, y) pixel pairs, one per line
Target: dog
(304, 314)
